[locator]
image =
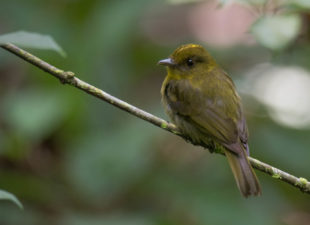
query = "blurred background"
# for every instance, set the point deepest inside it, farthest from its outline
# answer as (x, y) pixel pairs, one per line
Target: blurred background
(73, 160)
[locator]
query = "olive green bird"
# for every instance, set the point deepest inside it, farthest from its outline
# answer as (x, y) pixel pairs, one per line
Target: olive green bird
(201, 99)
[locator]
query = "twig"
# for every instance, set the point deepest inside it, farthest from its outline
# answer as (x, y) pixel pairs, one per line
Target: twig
(67, 77)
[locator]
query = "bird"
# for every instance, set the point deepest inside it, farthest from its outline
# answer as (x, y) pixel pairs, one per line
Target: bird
(201, 100)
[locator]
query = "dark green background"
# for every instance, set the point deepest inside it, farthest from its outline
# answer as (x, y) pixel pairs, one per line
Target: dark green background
(73, 160)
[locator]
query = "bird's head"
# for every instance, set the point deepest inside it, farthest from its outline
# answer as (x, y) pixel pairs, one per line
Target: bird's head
(188, 60)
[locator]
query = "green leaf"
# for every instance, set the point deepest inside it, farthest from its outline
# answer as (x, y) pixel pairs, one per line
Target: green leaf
(276, 32)
(111, 219)
(4, 195)
(109, 165)
(176, 2)
(36, 113)
(223, 2)
(252, 2)
(32, 40)
(303, 4)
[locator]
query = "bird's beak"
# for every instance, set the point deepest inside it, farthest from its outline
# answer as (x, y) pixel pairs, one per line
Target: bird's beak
(166, 62)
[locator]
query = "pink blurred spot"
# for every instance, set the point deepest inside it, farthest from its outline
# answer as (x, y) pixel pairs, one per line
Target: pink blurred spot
(221, 26)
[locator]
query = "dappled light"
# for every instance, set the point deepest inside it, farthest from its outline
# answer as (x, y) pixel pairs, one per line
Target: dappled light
(285, 91)
(71, 159)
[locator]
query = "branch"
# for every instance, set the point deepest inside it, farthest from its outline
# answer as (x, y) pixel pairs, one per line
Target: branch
(67, 77)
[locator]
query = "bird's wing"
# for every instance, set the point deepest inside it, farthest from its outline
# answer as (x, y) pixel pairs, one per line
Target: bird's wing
(217, 115)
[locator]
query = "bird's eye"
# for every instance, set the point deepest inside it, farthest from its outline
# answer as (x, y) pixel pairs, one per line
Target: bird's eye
(190, 62)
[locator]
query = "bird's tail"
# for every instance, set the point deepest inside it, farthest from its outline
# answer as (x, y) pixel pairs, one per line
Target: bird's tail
(244, 174)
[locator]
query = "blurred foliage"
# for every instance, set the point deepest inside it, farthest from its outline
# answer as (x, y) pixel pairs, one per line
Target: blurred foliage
(272, 31)
(31, 40)
(4, 195)
(72, 159)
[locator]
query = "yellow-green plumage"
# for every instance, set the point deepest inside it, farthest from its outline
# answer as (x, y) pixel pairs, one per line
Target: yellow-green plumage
(200, 98)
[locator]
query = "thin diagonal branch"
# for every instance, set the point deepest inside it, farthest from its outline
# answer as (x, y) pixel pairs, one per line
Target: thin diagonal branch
(68, 77)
